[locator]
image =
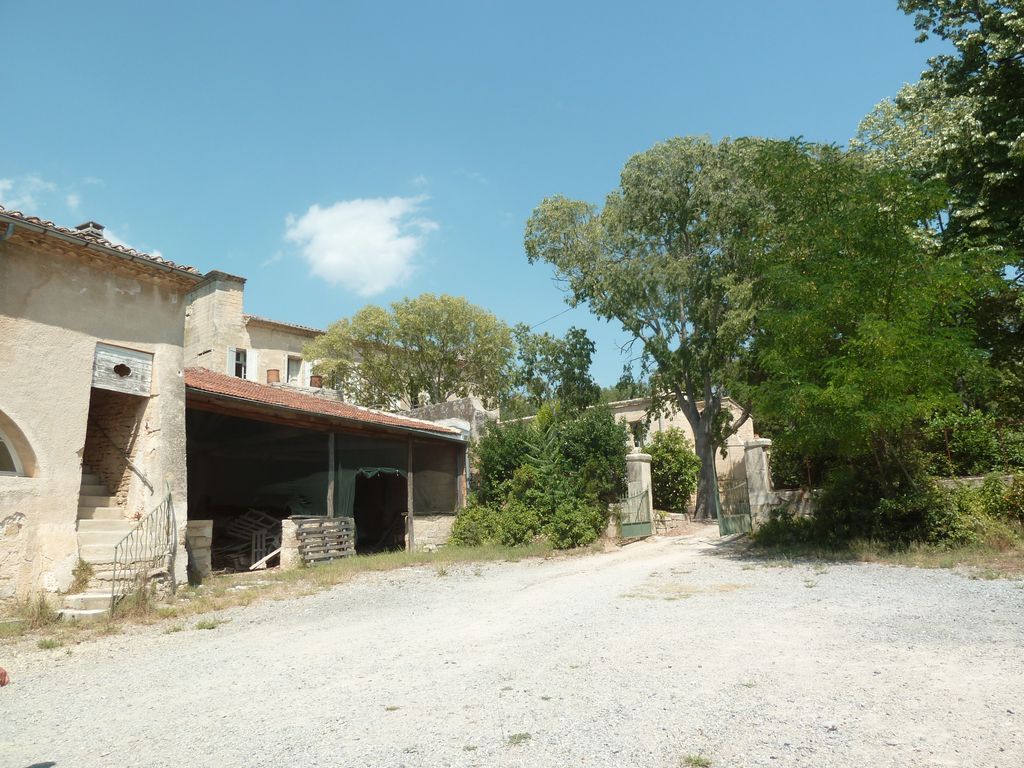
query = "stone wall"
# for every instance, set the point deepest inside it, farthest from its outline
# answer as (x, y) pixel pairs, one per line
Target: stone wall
(470, 410)
(431, 532)
(56, 302)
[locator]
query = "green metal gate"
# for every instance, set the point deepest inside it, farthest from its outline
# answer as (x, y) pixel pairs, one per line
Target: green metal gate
(734, 508)
(635, 520)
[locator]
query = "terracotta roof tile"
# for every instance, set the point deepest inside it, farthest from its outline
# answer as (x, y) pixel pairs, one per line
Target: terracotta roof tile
(204, 380)
(86, 239)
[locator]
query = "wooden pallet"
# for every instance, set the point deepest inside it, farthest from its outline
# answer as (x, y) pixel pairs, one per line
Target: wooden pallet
(325, 538)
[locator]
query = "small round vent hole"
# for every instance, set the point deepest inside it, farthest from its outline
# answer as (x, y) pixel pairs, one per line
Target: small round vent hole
(122, 370)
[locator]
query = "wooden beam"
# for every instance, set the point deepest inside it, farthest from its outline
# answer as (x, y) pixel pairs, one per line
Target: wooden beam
(330, 475)
(409, 535)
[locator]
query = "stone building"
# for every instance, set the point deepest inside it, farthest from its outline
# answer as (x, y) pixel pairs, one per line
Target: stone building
(221, 338)
(92, 409)
(125, 373)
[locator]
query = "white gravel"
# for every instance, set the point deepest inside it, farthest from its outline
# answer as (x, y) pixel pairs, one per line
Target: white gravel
(646, 656)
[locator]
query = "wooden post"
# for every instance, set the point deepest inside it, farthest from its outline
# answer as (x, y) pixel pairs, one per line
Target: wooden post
(409, 536)
(462, 461)
(330, 474)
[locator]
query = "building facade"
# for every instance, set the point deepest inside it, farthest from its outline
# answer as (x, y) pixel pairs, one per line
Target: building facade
(92, 410)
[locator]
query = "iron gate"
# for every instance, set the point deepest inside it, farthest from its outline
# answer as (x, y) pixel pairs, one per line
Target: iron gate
(734, 509)
(635, 519)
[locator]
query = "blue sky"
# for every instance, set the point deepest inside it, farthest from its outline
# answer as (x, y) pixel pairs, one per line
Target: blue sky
(340, 153)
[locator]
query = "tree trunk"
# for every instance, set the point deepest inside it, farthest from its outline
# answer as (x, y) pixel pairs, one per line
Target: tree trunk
(707, 480)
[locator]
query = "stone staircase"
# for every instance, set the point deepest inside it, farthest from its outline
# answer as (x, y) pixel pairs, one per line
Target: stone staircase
(101, 526)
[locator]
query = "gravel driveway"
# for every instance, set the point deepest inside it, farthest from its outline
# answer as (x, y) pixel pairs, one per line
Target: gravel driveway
(652, 655)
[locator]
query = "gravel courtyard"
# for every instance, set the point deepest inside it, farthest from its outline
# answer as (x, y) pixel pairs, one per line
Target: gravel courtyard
(652, 655)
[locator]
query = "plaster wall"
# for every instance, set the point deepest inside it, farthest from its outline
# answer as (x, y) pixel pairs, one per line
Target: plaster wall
(56, 303)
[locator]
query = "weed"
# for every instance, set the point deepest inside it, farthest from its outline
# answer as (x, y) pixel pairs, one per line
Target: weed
(545, 698)
(12, 628)
(173, 628)
(209, 623)
(696, 761)
(442, 569)
(810, 583)
(391, 708)
(748, 684)
(37, 612)
(518, 738)
(48, 643)
(81, 576)
(469, 748)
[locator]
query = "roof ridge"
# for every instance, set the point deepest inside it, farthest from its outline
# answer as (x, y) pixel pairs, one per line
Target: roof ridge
(95, 240)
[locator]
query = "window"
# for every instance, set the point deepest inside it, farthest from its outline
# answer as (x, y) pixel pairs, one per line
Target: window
(295, 370)
(240, 363)
(9, 464)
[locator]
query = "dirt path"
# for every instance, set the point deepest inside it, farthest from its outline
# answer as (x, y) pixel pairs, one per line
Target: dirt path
(663, 650)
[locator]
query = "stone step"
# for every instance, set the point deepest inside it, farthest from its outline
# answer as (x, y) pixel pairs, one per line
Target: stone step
(97, 501)
(93, 489)
(105, 538)
(100, 513)
(84, 615)
(102, 524)
(96, 553)
(87, 601)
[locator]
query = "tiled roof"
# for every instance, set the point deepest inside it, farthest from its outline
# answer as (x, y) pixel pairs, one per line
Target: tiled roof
(86, 239)
(203, 380)
(294, 326)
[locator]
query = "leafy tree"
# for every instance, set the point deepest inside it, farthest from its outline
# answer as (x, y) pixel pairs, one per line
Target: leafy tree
(963, 124)
(667, 256)
(441, 345)
(550, 369)
(674, 469)
(982, 84)
(861, 332)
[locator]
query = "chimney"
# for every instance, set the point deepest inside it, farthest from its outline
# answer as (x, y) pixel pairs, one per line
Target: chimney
(90, 229)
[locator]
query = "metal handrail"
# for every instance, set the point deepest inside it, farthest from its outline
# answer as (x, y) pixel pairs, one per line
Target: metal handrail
(148, 546)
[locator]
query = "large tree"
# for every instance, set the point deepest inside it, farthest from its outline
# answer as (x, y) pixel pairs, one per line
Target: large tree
(441, 346)
(668, 257)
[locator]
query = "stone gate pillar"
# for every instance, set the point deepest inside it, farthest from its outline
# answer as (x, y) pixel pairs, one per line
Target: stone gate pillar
(759, 481)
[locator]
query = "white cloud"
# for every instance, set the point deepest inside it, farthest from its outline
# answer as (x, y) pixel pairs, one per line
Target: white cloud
(23, 193)
(365, 245)
(74, 201)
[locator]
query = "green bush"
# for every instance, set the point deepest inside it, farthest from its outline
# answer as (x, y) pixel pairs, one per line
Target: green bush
(552, 476)
(591, 448)
(674, 470)
(498, 454)
(575, 523)
(474, 526)
(515, 523)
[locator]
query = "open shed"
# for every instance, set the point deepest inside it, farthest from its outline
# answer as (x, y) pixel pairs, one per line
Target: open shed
(259, 452)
